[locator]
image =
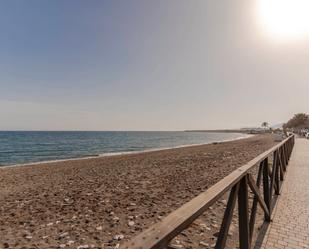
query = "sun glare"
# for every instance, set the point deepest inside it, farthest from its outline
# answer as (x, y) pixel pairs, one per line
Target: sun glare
(284, 19)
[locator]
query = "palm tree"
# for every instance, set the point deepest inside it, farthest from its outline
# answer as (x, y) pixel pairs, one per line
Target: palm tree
(265, 125)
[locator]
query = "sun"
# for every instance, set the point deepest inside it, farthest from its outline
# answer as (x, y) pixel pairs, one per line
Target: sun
(284, 19)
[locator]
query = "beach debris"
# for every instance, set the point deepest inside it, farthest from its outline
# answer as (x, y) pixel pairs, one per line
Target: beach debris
(62, 245)
(118, 237)
(117, 246)
(99, 228)
(49, 224)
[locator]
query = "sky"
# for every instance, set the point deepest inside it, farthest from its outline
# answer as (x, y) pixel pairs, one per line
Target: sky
(147, 65)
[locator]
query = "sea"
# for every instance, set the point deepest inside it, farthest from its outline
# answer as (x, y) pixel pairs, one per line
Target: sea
(22, 147)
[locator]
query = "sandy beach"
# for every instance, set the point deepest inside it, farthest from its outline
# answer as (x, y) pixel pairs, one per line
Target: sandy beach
(102, 202)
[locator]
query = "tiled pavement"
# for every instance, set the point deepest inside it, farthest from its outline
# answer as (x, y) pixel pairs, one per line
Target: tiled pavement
(290, 226)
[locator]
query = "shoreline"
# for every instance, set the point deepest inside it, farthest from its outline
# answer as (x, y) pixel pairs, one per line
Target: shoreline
(92, 202)
(113, 154)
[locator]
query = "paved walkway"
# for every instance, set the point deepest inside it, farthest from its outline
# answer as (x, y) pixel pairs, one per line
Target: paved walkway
(290, 226)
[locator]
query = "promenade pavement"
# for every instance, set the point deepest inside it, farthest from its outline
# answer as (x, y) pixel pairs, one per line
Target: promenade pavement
(290, 225)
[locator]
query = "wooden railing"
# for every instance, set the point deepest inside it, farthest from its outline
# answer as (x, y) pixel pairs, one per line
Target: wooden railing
(238, 182)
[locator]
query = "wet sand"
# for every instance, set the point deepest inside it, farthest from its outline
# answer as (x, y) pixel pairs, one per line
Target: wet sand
(102, 202)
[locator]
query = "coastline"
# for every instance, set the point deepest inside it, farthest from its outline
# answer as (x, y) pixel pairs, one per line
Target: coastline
(92, 201)
(113, 154)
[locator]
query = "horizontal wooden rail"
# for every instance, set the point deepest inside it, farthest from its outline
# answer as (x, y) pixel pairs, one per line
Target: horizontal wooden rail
(160, 234)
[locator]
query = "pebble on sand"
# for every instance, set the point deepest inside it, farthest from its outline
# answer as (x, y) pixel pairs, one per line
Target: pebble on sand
(131, 223)
(202, 243)
(175, 246)
(83, 247)
(70, 242)
(118, 237)
(63, 235)
(224, 202)
(116, 219)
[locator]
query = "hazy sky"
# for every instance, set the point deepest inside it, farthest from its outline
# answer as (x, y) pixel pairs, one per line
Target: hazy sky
(146, 65)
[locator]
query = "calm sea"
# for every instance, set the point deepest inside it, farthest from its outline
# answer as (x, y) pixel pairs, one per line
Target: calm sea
(18, 147)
